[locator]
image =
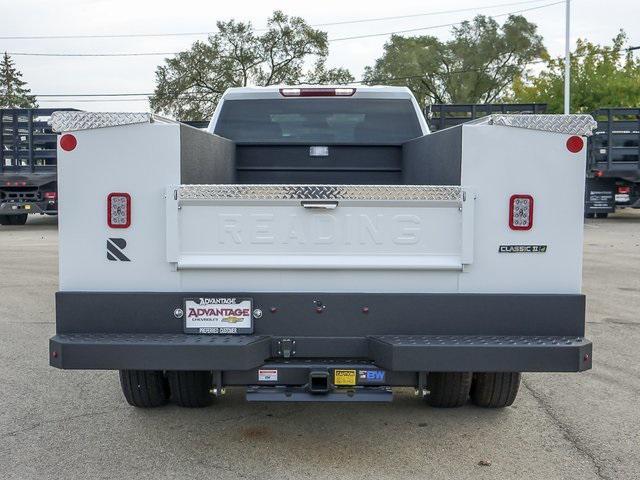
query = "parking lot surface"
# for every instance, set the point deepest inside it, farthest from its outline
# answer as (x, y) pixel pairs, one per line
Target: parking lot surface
(75, 424)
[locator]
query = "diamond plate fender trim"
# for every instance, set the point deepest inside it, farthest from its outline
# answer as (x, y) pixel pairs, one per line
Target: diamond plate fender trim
(573, 124)
(320, 192)
(73, 121)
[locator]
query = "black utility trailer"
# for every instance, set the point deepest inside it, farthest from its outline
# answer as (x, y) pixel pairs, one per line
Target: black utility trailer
(28, 152)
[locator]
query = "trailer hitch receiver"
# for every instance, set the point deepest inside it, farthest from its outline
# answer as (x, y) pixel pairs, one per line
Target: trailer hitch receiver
(319, 381)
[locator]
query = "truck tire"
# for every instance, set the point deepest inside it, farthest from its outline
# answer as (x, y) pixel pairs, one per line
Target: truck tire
(495, 390)
(191, 389)
(144, 388)
(448, 389)
(18, 219)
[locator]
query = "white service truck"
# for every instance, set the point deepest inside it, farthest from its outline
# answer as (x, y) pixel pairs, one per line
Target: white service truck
(319, 244)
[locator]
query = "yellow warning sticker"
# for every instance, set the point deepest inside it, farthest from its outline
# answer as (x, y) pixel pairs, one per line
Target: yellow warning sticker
(344, 377)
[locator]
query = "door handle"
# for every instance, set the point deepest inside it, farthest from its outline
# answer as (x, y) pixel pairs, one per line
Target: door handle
(319, 205)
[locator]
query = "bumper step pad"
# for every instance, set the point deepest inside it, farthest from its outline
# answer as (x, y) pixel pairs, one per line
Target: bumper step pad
(398, 353)
(159, 351)
(480, 353)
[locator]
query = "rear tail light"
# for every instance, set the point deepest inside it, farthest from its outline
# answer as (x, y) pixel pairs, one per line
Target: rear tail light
(624, 190)
(575, 144)
(317, 92)
(50, 195)
(521, 212)
(68, 142)
(119, 210)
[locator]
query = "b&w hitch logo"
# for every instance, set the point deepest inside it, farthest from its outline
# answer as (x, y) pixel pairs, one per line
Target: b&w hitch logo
(115, 246)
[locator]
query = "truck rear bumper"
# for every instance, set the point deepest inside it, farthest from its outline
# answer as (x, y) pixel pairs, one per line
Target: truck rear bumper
(392, 353)
(18, 208)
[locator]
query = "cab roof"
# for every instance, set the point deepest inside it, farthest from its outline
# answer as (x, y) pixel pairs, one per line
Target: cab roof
(273, 91)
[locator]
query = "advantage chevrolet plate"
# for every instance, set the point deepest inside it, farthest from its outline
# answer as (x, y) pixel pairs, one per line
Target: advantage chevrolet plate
(218, 315)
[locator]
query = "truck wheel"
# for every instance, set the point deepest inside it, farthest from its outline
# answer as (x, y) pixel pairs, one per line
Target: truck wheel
(144, 388)
(450, 389)
(5, 219)
(18, 219)
(495, 390)
(191, 389)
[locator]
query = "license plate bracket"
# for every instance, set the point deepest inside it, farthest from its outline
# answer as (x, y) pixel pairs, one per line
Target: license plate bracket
(218, 315)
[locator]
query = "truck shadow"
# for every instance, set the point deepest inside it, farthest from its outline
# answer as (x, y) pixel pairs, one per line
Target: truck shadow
(39, 222)
(322, 435)
(626, 215)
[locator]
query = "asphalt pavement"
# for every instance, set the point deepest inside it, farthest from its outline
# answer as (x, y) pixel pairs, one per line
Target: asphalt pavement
(75, 424)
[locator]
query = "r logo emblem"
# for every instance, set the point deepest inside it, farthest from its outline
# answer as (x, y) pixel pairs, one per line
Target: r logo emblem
(115, 246)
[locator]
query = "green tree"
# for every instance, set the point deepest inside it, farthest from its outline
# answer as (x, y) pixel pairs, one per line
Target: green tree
(477, 65)
(189, 85)
(13, 90)
(601, 76)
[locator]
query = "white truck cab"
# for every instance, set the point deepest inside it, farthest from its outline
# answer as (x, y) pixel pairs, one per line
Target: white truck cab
(319, 244)
(360, 93)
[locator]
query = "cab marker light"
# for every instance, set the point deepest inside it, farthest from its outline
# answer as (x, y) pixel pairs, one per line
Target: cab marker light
(521, 212)
(317, 92)
(119, 210)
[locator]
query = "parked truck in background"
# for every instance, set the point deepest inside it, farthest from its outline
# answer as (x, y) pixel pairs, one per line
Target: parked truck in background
(319, 244)
(28, 151)
(613, 162)
(445, 115)
(613, 155)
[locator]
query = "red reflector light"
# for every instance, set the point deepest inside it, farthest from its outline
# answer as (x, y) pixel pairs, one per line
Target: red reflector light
(119, 210)
(317, 92)
(624, 189)
(521, 212)
(575, 144)
(50, 195)
(68, 142)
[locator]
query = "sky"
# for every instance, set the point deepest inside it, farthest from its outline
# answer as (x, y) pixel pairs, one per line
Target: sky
(596, 20)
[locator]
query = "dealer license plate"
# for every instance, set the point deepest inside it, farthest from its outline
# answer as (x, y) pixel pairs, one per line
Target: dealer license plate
(218, 315)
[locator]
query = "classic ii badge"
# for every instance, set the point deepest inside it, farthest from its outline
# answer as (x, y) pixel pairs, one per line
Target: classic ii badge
(218, 315)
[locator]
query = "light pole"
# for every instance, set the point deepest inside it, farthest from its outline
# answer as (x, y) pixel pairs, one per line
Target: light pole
(567, 60)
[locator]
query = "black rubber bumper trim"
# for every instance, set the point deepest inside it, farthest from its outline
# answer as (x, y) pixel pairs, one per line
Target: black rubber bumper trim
(400, 353)
(476, 353)
(158, 351)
